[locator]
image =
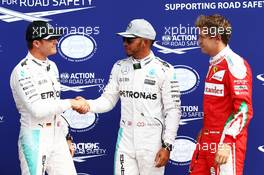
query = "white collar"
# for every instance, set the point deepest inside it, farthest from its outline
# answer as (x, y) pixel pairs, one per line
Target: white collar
(144, 61)
(220, 56)
(42, 63)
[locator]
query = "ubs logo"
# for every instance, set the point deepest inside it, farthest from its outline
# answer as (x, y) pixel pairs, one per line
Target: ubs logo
(182, 151)
(187, 77)
(81, 122)
(77, 47)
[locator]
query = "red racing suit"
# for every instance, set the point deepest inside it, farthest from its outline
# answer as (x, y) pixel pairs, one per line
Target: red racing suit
(227, 111)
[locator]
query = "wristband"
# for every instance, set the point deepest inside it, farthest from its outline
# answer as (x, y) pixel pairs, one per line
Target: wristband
(167, 146)
(69, 137)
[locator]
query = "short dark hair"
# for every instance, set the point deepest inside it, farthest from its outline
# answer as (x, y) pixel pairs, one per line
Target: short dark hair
(30, 45)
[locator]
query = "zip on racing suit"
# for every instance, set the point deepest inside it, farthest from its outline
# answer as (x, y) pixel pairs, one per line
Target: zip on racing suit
(227, 112)
(150, 103)
(42, 143)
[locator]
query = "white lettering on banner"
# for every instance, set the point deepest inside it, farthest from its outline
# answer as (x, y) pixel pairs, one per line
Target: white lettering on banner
(189, 108)
(68, 2)
(229, 5)
(253, 4)
(2, 119)
(9, 2)
(45, 3)
(261, 77)
(190, 114)
(33, 3)
(261, 148)
(89, 146)
(213, 5)
(190, 6)
(55, 3)
(83, 75)
(184, 37)
(85, 151)
(84, 81)
(214, 89)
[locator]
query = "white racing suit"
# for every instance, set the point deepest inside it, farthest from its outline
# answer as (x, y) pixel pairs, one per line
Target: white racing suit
(42, 143)
(150, 112)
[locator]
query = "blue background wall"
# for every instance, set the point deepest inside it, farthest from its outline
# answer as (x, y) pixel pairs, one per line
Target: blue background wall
(95, 135)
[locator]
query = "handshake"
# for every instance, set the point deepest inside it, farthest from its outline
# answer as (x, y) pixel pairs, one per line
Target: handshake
(80, 105)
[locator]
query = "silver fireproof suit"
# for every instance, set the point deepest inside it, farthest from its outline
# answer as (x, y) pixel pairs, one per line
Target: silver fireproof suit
(150, 112)
(42, 143)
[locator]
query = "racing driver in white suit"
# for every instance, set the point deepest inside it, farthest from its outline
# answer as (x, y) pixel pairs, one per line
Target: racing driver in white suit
(36, 91)
(150, 104)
